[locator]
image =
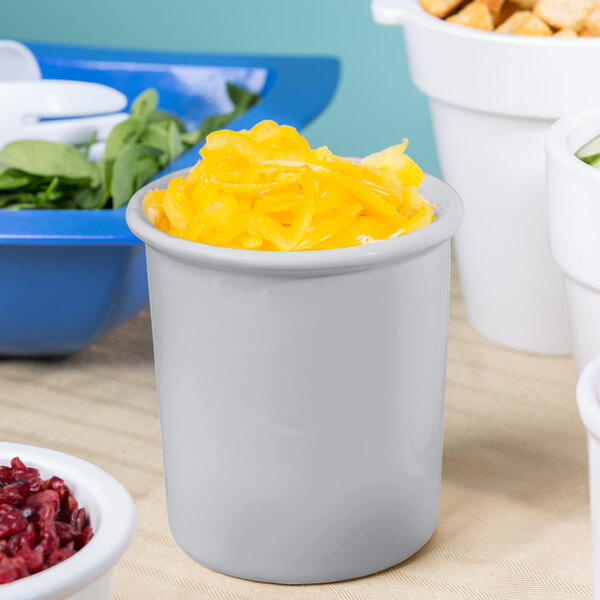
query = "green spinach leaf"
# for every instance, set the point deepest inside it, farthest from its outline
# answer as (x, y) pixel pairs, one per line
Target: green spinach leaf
(131, 167)
(49, 159)
(144, 105)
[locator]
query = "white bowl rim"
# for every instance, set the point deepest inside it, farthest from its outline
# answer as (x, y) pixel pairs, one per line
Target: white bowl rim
(557, 145)
(117, 513)
(588, 397)
(414, 11)
(449, 214)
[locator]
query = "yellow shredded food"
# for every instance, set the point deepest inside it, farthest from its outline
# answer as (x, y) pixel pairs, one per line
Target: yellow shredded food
(265, 189)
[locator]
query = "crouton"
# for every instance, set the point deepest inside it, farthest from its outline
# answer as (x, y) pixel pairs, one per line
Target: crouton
(592, 23)
(566, 32)
(562, 14)
(440, 8)
(525, 4)
(508, 9)
(495, 6)
(476, 14)
(524, 22)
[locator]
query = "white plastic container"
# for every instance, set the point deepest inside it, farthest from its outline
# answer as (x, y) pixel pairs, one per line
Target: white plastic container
(301, 397)
(588, 400)
(574, 227)
(493, 98)
(88, 575)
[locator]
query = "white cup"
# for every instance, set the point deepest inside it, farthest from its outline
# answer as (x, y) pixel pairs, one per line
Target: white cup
(301, 397)
(574, 227)
(493, 98)
(588, 400)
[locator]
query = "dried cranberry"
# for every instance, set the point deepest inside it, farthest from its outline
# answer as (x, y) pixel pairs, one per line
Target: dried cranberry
(14, 493)
(59, 555)
(14, 544)
(5, 475)
(8, 572)
(78, 520)
(11, 520)
(86, 536)
(29, 536)
(45, 498)
(20, 566)
(32, 478)
(17, 463)
(33, 558)
(58, 485)
(72, 506)
(65, 532)
(47, 530)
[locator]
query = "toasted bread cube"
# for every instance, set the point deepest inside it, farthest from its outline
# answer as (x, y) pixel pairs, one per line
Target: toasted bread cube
(524, 22)
(562, 14)
(476, 14)
(592, 23)
(566, 32)
(495, 6)
(525, 4)
(440, 8)
(508, 9)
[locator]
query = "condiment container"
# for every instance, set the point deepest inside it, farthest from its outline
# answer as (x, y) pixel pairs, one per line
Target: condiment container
(588, 400)
(301, 397)
(493, 98)
(87, 575)
(574, 227)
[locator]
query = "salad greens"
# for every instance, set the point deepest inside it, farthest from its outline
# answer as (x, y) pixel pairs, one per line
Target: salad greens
(39, 174)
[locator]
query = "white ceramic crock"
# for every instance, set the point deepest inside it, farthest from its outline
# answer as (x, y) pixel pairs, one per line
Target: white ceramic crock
(493, 98)
(588, 400)
(574, 227)
(88, 575)
(301, 397)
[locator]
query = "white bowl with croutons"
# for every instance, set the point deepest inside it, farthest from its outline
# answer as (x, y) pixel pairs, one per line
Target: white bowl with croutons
(573, 226)
(87, 574)
(493, 96)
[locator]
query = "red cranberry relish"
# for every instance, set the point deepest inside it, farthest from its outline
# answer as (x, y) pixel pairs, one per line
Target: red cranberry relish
(40, 522)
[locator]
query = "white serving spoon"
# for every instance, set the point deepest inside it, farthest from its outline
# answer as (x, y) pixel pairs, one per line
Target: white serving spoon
(76, 110)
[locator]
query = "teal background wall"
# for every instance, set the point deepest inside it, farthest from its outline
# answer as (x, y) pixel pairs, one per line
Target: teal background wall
(376, 104)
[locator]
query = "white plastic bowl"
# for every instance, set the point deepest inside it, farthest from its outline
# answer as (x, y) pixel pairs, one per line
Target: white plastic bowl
(588, 400)
(493, 98)
(574, 227)
(88, 575)
(301, 397)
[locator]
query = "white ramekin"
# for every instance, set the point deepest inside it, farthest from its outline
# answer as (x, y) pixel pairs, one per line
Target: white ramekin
(574, 227)
(588, 400)
(493, 98)
(301, 397)
(88, 575)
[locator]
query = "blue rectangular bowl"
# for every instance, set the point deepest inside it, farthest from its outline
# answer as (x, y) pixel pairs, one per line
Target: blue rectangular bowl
(69, 276)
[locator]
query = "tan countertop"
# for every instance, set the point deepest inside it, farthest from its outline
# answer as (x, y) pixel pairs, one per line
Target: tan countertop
(514, 508)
